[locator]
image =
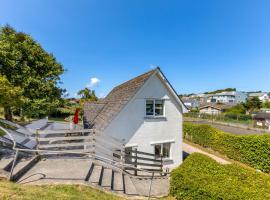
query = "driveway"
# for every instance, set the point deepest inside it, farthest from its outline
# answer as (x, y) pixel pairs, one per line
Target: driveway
(230, 129)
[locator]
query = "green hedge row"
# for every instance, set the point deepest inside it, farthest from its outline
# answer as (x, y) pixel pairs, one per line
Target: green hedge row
(200, 177)
(253, 150)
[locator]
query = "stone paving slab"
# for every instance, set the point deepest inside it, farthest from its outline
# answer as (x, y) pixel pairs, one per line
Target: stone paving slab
(57, 171)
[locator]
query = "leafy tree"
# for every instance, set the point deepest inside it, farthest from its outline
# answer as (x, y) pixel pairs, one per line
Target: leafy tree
(27, 65)
(10, 97)
(87, 94)
(237, 109)
(266, 104)
(253, 104)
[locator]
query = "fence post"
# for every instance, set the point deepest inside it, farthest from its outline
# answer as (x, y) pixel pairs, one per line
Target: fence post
(13, 164)
(37, 135)
(123, 154)
(136, 155)
(94, 143)
(161, 162)
(150, 187)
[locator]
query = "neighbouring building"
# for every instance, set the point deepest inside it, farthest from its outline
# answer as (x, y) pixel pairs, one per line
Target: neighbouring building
(233, 97)
(263, 96)
(265, 110)
(214, 109)
(145, 113)
(191, 103)
(262, 120)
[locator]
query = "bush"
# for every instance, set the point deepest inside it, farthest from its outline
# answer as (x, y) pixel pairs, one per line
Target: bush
(253, 150)
(200, 177)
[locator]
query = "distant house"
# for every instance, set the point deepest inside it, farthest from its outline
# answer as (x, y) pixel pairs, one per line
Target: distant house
(145, 113)
(262, 120)
(265, 110)
(227, 97)
(263, 96)
(214, 109)
(191, 103)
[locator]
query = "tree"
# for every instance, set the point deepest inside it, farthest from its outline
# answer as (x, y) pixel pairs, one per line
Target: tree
(10, 97)
(266, 104)
(237, 109)
(87, 94)
(27, 65)
(253, 104)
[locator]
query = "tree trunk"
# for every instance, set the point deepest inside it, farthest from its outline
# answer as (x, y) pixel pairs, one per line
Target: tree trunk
(8, 113)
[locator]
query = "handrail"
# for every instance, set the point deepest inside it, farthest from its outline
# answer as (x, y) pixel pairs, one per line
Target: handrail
(12, 138)
(89, 154)
(120, 165)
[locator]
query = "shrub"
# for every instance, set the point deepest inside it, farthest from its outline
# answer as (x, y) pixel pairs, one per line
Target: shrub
(253, 150)
(200, 177)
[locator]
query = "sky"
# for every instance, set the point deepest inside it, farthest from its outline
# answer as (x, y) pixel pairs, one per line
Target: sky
(199, 45)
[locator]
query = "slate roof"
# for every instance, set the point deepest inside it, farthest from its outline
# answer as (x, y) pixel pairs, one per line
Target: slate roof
(99, 114)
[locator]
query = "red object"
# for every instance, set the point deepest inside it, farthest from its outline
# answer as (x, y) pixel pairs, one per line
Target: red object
(76, 116)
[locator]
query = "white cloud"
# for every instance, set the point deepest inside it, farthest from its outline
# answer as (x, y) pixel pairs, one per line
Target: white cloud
(93, 82)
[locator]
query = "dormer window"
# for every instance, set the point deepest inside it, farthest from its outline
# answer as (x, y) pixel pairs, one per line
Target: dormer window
(154, 108)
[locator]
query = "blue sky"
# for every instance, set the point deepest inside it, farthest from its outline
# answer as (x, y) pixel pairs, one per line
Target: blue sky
(199, 45)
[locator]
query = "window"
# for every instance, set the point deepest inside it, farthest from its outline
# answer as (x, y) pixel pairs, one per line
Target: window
(154, 107)
(149, 107)
(162, 150)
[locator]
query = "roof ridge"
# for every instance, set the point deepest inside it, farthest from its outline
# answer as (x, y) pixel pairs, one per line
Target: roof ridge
(139, 76)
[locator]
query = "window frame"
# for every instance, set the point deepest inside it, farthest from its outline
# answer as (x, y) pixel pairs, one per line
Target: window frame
(161, 150)
(154, 108)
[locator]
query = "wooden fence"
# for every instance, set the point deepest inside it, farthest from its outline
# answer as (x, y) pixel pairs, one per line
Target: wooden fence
(143, 160)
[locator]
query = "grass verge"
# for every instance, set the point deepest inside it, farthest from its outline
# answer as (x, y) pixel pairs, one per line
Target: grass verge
(14, 191)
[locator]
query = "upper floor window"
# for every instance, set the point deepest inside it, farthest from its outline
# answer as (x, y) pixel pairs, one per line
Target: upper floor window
(154, 107)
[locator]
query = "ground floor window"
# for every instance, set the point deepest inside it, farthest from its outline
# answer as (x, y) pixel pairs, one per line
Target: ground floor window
(163, 149)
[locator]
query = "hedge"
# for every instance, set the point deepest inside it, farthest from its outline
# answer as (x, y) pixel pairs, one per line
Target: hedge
(200, 177)
(253, 150)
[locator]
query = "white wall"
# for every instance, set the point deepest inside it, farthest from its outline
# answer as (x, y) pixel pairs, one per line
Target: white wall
(139, 131)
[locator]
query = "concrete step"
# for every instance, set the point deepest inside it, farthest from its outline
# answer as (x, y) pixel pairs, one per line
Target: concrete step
(58, 170)
(24, 165)
(130, 189)
(118, 185)
(95, 175)
(107, 179)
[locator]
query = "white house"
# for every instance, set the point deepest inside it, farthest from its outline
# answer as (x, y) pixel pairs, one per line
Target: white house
(228, 97)
(145, 112)
(263, 96)
(191, 103)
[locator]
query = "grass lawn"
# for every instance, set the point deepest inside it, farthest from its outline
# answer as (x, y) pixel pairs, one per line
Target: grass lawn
(15, 191)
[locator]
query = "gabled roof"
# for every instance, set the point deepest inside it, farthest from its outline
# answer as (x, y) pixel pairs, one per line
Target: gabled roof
(100, 114)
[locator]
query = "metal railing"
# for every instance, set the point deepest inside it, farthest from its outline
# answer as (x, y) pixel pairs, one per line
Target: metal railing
(104, 148)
